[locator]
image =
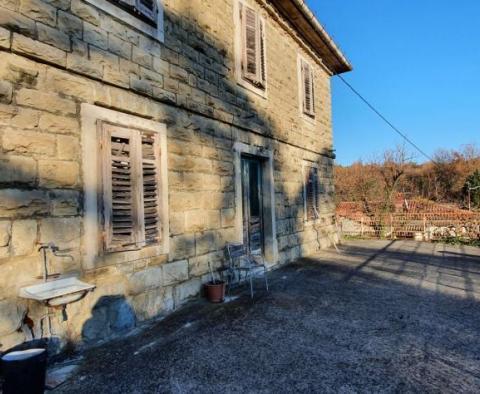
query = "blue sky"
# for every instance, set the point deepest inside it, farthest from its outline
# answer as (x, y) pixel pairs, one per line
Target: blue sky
(417, 61)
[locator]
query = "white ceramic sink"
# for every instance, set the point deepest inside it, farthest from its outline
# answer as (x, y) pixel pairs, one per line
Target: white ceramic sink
(57, 292)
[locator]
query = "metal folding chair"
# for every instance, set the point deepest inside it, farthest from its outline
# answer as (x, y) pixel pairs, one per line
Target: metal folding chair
(244, 266)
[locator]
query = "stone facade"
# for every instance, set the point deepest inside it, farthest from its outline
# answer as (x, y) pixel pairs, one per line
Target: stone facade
(59, 55)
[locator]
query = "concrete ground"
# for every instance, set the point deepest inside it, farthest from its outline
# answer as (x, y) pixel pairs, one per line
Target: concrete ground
(381, 316)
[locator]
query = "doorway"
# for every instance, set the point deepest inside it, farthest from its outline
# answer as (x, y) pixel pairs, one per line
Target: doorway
(255, 224)
(252, 203)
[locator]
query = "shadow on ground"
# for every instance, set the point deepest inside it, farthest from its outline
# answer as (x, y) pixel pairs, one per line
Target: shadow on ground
(378, 317)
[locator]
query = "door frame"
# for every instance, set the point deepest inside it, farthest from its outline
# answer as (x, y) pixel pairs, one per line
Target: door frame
(268, 197)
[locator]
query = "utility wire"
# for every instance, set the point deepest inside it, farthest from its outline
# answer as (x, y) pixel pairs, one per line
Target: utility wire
(403, 135)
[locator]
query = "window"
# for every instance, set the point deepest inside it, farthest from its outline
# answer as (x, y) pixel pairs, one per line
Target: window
(307, 88)
(130, 180)
(144, 15)
(144, 9)
(251, 44)
(124, 157)
(311, 193)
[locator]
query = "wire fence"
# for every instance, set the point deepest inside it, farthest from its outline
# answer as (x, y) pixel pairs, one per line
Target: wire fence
(420, 226)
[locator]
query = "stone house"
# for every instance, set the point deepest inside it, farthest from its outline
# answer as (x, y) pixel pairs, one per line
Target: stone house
(139, 136)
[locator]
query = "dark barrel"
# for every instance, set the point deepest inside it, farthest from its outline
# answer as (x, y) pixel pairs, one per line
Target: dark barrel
(24, 371)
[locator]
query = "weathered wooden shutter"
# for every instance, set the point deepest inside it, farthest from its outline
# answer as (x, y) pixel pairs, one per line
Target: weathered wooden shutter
(253, 46)
(151, 182)
(313, 92)
(311, 193)
(119, 187)
(250, 44)
(307, 88)
(130, 187)
(263, 55)
(318, 192)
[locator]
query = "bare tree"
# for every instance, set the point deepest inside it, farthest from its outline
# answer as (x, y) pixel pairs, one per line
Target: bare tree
(393, 167)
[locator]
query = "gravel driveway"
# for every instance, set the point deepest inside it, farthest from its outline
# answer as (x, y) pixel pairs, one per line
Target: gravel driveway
(380, 316)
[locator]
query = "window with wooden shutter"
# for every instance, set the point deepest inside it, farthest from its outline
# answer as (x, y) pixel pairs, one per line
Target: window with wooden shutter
(130, 187)
(151, 182)
(253, 61)
(307, 88)
(145, 9)
(312, 193)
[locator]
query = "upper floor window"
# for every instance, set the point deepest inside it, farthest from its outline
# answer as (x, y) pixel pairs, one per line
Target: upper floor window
(250, 40)
(144, 15)
(307, 88)
(144, 9)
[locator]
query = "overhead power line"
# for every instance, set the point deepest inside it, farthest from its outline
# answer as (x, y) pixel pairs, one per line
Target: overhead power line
(379, 114)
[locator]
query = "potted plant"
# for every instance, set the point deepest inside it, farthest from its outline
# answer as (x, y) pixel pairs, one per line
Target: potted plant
(215, 289)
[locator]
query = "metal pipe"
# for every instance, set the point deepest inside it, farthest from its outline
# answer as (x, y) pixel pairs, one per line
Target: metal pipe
(45, 267)
(54, 249)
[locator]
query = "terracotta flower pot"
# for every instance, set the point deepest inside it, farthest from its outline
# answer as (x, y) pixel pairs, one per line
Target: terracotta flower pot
(215, 292)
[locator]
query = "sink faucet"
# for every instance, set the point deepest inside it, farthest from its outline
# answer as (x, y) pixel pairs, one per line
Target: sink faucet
(55, 251)
(44, 248)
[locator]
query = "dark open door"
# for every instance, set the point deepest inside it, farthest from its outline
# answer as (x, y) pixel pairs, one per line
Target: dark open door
(252, 204)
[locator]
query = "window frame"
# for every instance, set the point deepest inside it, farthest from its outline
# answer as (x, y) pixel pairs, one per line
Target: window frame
(157, 32)
(311, 116)
(107, 131)
(240, 54)
(93, 252)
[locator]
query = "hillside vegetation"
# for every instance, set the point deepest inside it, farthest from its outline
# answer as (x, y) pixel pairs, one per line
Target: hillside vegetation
(394, 197)
(443, 180)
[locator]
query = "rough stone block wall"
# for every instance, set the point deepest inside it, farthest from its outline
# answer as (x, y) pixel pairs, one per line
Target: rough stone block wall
(56, 55)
